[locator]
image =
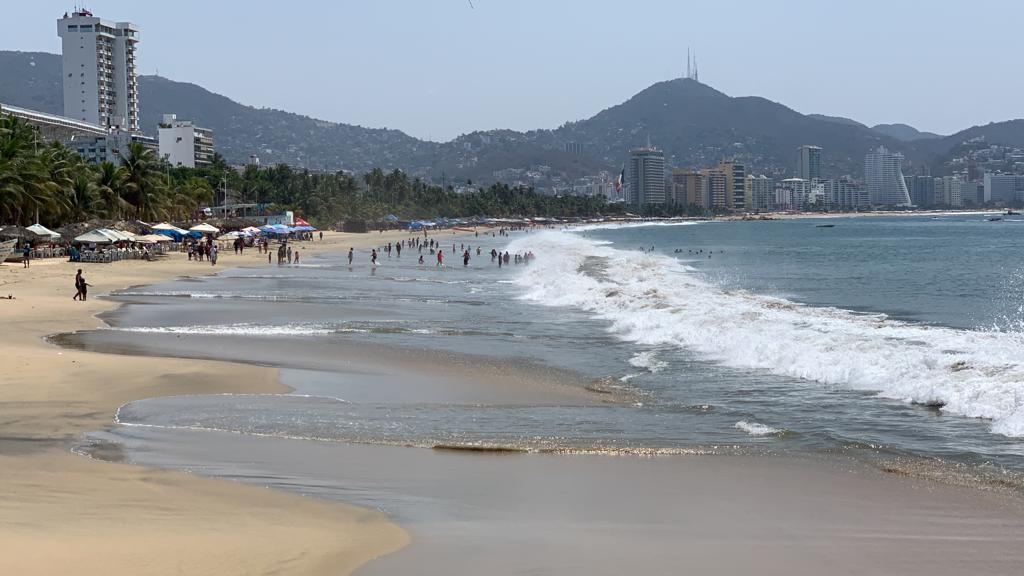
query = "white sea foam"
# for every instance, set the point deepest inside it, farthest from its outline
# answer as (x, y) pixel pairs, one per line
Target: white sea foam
(618, 225)
(243, 329)
(756, 428)
(648, 361)
(654, 300)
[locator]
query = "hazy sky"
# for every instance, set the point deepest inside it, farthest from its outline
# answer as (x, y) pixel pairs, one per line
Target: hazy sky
(439, 68)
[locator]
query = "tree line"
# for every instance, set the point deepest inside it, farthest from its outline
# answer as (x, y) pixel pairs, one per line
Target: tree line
(49, 183)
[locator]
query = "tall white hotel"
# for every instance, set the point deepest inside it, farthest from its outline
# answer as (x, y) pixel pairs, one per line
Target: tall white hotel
(99, 70)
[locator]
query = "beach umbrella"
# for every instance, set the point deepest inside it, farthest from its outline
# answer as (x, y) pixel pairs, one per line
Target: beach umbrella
(44, 231)
(204, 228)
(251, 230)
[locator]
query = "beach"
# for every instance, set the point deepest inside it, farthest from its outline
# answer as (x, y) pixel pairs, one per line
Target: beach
(439, 420)
(63, 513)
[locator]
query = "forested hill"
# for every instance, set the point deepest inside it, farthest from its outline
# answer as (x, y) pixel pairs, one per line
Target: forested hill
(695, 124)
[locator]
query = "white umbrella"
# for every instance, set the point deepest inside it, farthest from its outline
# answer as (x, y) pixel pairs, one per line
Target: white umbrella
(43, 231)
(205, 228)
(157, 238)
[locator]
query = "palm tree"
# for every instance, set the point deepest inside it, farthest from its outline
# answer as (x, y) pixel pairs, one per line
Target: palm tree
(146, 190)
(110, 187)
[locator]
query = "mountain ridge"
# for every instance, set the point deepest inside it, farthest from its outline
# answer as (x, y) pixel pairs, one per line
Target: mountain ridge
(695, 124)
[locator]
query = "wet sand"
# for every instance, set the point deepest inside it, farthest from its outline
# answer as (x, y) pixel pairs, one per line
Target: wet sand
(65, 514)
(504, 514)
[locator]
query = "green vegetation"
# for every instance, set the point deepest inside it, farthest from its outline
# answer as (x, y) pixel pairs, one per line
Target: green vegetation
(52, 183)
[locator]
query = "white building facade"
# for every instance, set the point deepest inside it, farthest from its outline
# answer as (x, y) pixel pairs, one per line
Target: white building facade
(883, 178)
(98, 74)
(185, 144)
(646, 178)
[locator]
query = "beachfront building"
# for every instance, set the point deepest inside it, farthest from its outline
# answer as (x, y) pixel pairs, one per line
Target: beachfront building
(761, 193)
(735, 182)
(949, 191)
(185, 144)
(1004, 189)
(922, 190)
(844, 194)
(98, 73)
(646, 178)
(689, 189)
(808, 162)
(883, 178)
(716, 188)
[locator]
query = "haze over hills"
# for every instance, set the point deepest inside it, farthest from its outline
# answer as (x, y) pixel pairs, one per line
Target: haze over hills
(695, 124)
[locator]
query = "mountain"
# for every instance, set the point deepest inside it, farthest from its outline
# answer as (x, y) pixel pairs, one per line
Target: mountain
(904, 132)
(693, 123)
(836, 119)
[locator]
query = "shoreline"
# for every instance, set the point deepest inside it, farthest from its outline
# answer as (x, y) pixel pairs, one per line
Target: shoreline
(65, 513)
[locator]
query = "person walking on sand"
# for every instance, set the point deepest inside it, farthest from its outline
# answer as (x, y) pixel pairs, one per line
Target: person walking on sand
(26, 256)
(296, 257)
(81, 286)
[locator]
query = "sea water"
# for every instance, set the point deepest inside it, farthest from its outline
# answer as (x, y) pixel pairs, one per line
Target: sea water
(891, 335)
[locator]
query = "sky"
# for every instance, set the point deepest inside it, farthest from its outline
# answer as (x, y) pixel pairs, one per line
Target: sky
(439, 68)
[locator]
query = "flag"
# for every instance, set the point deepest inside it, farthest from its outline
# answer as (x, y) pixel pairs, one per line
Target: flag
(619, 179)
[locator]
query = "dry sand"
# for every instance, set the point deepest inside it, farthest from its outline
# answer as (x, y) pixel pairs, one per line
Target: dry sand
(65, 514)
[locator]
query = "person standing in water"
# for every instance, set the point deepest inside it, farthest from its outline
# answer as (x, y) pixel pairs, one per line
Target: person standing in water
(440, 257)
(350, 257)
(373, 256)
(465, 258)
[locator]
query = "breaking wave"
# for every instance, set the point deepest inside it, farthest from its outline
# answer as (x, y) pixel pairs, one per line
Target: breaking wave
(755, 428)
(655, 300)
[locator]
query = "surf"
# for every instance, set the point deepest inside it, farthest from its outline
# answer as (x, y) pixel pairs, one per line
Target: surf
(655, 300)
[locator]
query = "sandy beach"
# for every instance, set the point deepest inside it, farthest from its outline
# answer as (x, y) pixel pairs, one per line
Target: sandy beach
(63, 513)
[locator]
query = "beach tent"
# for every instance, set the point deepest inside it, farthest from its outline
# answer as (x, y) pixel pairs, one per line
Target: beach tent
(44, 231)
(169, 227)
(152, 239)
(300, 222)
(204, 228)
(93, 237)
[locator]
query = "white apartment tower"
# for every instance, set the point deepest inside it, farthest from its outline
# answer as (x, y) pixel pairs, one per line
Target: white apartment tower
(883, 177)
(99, 70)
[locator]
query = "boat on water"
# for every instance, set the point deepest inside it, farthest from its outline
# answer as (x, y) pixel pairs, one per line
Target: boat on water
(7, 249)
(1011, 213)
(994, 218)
(825, 226)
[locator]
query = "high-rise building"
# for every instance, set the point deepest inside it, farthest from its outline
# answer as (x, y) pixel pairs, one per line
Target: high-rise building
(716, 188)
(808, 162)
(791, 193)
(1004, 189)
(761, 191)
(646, 178)
(688, 189)
(735, 182)
(99, 70)
(883, 177)
(844, 194)
(184, 144)
(922, 190)
(949, 191)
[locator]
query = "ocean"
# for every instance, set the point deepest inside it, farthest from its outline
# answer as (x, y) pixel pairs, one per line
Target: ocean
(891, 341)
(896, 335)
